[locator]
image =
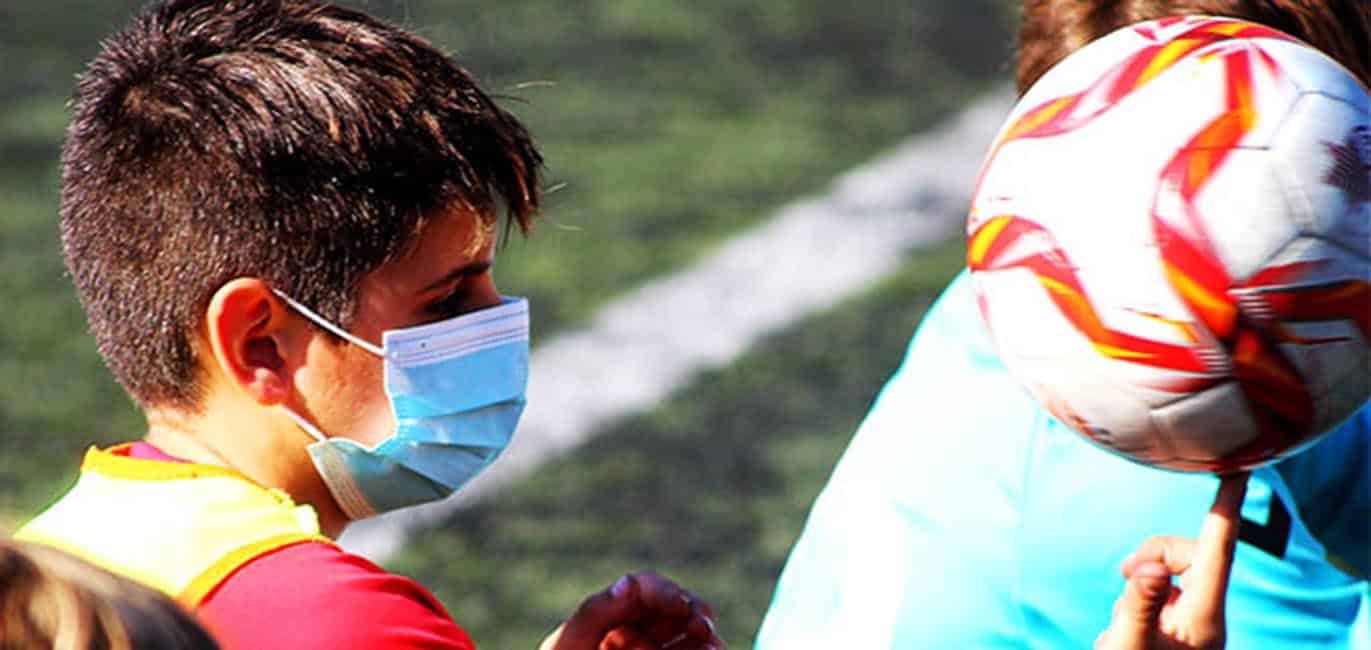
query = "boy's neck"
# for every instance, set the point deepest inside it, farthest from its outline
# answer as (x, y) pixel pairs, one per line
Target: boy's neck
(194, 439)
(173, 438)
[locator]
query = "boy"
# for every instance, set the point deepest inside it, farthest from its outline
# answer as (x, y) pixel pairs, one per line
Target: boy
(280, 217)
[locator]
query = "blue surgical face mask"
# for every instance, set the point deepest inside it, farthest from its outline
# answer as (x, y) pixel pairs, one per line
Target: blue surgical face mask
(457, 390)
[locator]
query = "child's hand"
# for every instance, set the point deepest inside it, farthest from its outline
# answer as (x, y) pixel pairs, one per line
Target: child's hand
(642, 611)
(1153, 613)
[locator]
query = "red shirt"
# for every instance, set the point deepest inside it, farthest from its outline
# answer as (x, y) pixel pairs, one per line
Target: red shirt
(315, 595)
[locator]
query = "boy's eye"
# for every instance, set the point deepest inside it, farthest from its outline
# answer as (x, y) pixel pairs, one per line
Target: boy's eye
(453, 304)
(468, 286)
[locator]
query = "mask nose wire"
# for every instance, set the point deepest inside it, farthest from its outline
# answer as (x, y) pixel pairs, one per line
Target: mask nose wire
(324, 323)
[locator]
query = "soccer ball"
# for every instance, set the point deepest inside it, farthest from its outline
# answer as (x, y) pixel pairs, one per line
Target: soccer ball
(1170, 242)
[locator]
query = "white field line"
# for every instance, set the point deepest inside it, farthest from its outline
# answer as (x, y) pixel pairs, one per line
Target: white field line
(652, 341)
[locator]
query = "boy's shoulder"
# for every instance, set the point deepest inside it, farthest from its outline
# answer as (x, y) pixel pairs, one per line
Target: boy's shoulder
(315, 595)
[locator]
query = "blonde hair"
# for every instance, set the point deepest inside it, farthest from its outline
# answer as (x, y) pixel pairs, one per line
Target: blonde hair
(52, 600)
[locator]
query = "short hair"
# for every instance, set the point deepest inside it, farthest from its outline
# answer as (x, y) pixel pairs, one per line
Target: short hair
(1052, 29)
(291, 140)
(52, 600)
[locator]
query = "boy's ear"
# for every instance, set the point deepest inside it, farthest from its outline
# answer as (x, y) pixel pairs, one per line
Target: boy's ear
(248, 329)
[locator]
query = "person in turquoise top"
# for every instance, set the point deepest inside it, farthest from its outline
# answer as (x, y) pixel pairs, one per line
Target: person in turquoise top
(962, 515)
(949, 525)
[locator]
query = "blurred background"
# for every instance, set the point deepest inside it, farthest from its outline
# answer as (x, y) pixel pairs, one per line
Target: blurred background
(669, 129)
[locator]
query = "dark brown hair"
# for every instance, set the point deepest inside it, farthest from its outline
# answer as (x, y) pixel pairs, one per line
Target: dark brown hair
(289, 140)
(1052, 29)
(50, 600)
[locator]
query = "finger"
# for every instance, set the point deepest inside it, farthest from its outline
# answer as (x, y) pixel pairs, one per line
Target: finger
(701, 624)
(671, 611)
(665, 632)
(662, 597)
(698, 629)
(599, 613)
(626, 638)
(1136, 617)
(1174, 553)
(1102, 641)
(703, 608)
(657, 608)
(1207, 582)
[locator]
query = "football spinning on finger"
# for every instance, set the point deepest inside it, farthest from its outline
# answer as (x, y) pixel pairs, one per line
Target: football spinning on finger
(1171, 243)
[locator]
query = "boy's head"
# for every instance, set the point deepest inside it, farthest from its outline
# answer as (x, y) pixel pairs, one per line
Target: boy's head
(1052, 29)
(291, 141)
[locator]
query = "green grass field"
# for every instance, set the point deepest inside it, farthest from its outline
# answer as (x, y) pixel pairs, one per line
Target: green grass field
(668, 127)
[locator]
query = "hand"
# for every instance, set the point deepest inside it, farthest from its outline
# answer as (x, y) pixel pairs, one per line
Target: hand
(1153, 613)
(642, 611)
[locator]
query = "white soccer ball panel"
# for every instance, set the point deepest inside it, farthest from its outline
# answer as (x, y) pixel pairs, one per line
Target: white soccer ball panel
(1116, 420)
(1207, 425)
(1201, 83)
(1333, 364)
(1156, 386)
(1314, 71)
(1028, 325)
(1327, 260)
(1316, 155)
(1244, 212)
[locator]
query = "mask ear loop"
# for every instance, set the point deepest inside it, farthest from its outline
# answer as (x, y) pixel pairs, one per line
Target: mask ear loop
(332, 469)
(304, 424)
(324, 323)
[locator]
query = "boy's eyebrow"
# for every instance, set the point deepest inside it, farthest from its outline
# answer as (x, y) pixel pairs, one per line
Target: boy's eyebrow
(474, 268)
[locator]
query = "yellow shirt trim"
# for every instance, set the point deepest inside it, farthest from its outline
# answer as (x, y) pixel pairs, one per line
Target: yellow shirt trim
(178, 527)
(113, 464)
(201, 585)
